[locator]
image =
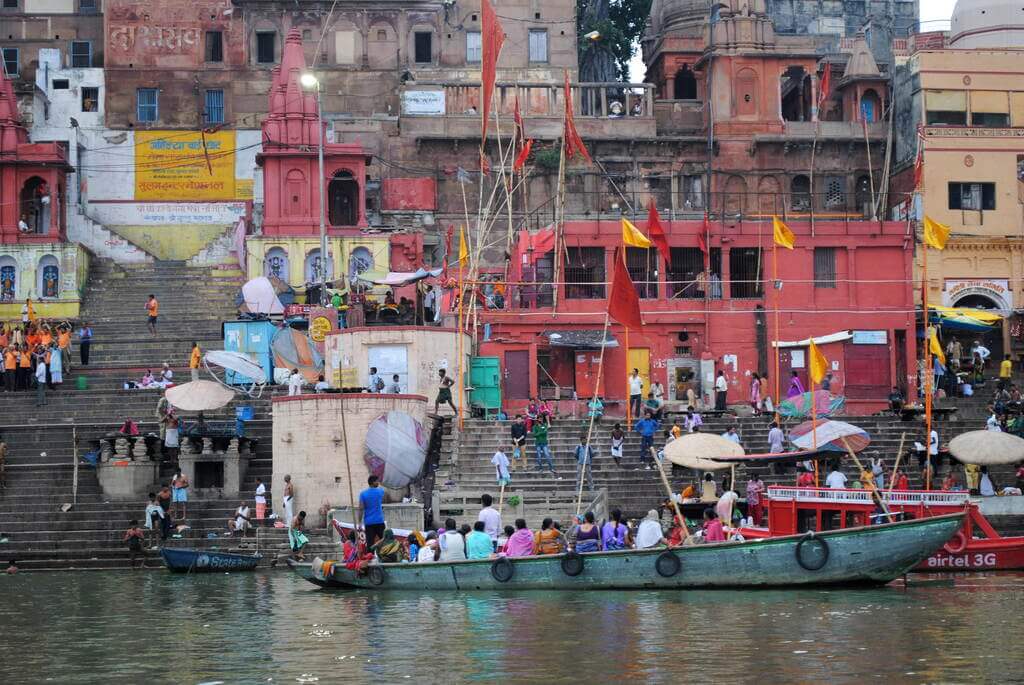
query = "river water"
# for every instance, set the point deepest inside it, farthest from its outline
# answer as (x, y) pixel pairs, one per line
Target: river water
(151, 626)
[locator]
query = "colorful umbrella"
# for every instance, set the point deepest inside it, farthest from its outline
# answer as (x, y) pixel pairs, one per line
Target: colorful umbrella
(799, 407)
(830, 436)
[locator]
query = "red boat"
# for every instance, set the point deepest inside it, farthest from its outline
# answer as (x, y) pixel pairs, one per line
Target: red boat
(975, 547)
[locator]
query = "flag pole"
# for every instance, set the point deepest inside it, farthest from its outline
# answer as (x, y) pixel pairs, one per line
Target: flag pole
(927, 375)
(462, 298)
(629, 408)
(778, 350)
(597, 391)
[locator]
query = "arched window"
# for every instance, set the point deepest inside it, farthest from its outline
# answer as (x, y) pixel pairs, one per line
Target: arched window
(48, 276)
(8, 279)
(275, 264)
(746, 92)
(313, 265)
(685, 85)
(360, 260)
(343, 199)
(800, 193)
(35, 205)
(296, 192)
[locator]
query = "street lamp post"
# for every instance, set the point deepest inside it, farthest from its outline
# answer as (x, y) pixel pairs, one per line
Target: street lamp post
(310, 81)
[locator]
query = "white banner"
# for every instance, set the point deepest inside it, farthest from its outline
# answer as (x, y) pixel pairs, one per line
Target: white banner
(423, 102)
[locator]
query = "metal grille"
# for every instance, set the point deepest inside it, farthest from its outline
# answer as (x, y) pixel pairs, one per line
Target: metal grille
(745, 272)
(545, 275)
(81, 54)
(686, 275)
(835, 192)
(824, 267)
(215, 106)
(584, 273)
(642, 264)
(147, 104)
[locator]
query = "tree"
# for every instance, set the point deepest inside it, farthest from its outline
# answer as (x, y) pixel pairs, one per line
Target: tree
(620, 23)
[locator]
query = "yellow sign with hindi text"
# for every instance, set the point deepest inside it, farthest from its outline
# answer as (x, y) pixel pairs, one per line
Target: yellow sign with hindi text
(184, 165)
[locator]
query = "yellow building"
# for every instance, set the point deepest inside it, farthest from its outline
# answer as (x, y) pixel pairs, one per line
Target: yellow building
(969, 100)
(296, 260)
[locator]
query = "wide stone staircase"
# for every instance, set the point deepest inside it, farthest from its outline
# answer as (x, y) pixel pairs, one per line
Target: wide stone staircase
(467, 468)
(41, 448)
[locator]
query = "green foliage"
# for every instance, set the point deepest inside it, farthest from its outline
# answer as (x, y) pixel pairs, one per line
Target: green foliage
(547, 158)
(620, 23)
(514, 501)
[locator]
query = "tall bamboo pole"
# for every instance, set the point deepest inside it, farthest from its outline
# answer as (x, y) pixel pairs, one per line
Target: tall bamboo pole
(778, 349)
(590, 428)
(927, 375)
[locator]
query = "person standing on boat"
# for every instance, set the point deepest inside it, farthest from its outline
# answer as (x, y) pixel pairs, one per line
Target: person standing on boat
(878, 471)
(755, 492)
(371, 510)
(836, 479)
(490, 517)
(451, 542)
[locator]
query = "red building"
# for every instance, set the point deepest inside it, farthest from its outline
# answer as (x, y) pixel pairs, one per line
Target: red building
(849, 280)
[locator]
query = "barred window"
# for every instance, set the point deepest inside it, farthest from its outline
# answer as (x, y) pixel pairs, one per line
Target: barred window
(584, 273)
(642, 264)
(824, 267)
(686, 275)
(746, 269)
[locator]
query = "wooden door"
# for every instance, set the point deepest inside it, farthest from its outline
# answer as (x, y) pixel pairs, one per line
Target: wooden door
(517, 374)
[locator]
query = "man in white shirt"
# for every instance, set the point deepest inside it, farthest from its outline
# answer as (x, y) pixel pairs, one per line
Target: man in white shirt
(775, 439)
(429, 304)
(658, 390)
(240, 523)
(453, 545)
(836, 480)
(23, 226)
(295, 383)
(261, 500)
(636, 393)
(993, 424)
(376, 383)
(396, 386)
(721, 391)
(490, 516)
(978, 348)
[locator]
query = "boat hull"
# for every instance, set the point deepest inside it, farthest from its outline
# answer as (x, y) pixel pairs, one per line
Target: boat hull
(1001, 554)
(184, 560)
(870, 555)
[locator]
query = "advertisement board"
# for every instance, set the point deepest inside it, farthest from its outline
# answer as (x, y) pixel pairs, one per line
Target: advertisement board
(184, 165)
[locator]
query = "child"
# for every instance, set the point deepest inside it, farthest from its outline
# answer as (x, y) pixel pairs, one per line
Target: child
(500, 462)
(618, 440)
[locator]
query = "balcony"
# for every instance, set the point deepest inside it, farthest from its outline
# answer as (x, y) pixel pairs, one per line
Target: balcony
(447, 109)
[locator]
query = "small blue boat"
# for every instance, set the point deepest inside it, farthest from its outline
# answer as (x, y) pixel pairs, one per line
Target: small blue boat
(185, 560)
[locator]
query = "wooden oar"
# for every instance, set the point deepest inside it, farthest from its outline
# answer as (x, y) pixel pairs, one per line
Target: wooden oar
(668, 490)
(874, 490)
(896, 466)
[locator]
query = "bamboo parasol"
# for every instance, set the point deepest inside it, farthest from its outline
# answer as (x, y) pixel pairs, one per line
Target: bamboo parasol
(987, 448)
(698, 450)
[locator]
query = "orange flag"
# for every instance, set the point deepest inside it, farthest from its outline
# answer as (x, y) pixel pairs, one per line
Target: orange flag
(521, 158)
(492, 39)
(573, 142)
(623, 302)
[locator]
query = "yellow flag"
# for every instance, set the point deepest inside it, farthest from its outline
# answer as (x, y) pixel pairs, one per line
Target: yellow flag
(819, 365)
(935, 234)
(935, 347)
(632, 236)
(783, 236)
(463, 249)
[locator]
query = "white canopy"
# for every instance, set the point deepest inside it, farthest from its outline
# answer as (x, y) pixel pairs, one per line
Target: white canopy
(237, 362)
(199, 396)
(260, 298)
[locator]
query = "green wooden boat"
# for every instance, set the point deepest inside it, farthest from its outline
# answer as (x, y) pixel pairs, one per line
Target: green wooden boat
(851, 556)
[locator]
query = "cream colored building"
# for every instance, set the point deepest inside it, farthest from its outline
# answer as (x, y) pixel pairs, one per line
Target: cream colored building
(969, 100)
(415, 353)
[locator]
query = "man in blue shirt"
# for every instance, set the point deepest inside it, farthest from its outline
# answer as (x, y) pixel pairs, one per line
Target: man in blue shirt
(646, 427)
(584, 459)
(371, 510)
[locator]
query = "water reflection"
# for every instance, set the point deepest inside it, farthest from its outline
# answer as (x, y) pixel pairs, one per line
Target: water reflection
(132, 627)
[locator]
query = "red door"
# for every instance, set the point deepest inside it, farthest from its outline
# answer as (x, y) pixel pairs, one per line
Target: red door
(588, 364)
(867, 372)
(517, 375)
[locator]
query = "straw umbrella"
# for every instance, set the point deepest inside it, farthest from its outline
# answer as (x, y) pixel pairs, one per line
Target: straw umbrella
(987, 448)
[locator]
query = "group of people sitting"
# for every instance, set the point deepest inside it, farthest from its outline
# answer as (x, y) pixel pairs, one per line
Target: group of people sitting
(149, 381)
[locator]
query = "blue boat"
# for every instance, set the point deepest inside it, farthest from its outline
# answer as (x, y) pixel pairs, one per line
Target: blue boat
(185, 560)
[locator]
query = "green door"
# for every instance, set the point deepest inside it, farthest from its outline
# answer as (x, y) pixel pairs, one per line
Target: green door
(485, 379)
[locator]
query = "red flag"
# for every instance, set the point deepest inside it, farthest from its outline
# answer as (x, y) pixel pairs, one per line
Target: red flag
(492, 39)
(702, 236)
(517, 117)
(825, 87)
(623, 303)
(656, 232)
(573, 142)
(523, 155)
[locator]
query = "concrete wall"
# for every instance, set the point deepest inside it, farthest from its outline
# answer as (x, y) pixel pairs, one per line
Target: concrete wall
(309, 444)
(427, 348)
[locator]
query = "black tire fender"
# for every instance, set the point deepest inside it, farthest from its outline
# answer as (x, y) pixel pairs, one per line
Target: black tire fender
(376, 575)
(667, 564)
(572, 564)
(812, 539)
(502, 570)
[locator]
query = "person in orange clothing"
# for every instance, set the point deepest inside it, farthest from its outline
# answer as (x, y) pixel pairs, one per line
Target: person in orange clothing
(24, 379)
(64, 343)
(10, 368)
(193, 361)
(32, 337)
(5, 337)
(152, 311)
(45, 336)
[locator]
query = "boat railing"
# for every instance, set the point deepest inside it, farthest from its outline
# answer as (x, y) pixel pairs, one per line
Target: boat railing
(896, 498)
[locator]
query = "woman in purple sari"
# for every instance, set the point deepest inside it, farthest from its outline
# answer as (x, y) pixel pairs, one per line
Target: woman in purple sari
(795, 386)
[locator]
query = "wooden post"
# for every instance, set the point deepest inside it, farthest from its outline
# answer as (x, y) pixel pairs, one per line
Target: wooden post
(668, 491)
(899, 455)
(590, 428)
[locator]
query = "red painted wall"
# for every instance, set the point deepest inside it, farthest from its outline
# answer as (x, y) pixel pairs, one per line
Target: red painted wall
(413, 194)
